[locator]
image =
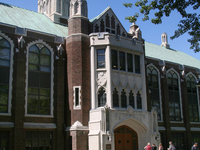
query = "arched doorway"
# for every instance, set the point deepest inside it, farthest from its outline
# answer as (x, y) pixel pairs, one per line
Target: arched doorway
(125, 138)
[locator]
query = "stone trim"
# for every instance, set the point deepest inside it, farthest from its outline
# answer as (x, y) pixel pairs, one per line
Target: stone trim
(40, 125)
(6, 125)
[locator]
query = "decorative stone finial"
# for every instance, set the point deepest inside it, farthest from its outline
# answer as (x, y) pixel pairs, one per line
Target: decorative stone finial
(164, 40)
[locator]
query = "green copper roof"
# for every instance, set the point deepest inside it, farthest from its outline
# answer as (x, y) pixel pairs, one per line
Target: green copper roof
(23, 18)
(97, 17)
(170, 55)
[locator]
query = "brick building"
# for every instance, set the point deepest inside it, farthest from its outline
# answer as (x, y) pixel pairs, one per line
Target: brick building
(67, 82)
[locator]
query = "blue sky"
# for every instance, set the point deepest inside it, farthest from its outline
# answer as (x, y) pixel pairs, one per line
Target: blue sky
(150, 32)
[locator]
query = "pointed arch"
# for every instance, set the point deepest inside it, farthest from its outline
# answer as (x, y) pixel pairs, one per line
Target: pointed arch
(193, 97)
(102, 97)
(6, 68)
(153, 74)
(43, 48)
(174, 92)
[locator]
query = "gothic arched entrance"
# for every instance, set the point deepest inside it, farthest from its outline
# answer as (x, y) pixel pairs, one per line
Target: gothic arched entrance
(125, 138)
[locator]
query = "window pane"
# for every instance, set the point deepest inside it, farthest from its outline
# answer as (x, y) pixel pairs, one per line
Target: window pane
(45, 60)
(4, 42)
(5, 63)
(4, 53)
(137, 64)
(32, 110)
(3, 109)
(44, 101)
(45, 69)
(45, 51)
(34, 49)
(33, 67)
(45, 92)
(45, 111)
(100, 58)
(45, 80)
(122, 61)
(33, 79)
(114, 59)
(33, 91)
(34, 58)
(130, 62)
(3, 98)
(4, 75)
(33, 101)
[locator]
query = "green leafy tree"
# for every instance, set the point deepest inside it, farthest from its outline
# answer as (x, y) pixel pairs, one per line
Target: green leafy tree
(190, 22)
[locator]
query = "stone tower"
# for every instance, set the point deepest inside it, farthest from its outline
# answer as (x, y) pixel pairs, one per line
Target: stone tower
(78, 74)
(56, 10)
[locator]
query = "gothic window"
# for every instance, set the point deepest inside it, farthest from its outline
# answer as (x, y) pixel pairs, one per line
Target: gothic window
(139, 101)
(113, 22)
(118, 30)
(115, 98)
(192, 99)
(174, 99)
(101, 97)
(101, 58)
(76, 8)
(123, 34)
(114, 59)
(59, 4)
(36, 140)
(84, 8)
(131, 99)
(96, 28)
(39, 80)
(5, 54)
(154, 88)
(137, 64)
(107, 21)
(122, 61)
(102, 26)
(130, 62)
(123, 99)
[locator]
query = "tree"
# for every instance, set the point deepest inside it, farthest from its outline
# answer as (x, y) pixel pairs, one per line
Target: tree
(190, 22)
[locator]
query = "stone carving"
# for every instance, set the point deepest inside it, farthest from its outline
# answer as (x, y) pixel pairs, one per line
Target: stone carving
(101, 78)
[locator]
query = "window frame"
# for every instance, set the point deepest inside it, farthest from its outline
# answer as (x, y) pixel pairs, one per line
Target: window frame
(180, 98)
(101, 55)
(10, 74)
(190, 73)
(51, 115)
(159, 88)
(77, 107)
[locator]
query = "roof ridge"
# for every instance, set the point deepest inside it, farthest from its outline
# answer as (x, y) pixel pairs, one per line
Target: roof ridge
(98, 16)
(9, 5)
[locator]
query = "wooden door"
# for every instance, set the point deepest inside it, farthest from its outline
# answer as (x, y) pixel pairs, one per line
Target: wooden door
(125, 139)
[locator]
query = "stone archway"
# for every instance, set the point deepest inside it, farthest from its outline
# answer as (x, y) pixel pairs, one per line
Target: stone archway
(125, 138)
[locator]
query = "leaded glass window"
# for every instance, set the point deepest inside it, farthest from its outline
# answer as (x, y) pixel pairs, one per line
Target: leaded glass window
(114, 59)
(139, 101)
(102, 26)
(39, 80)
(101, 58)
(137, 64)
(115, 98)
(122, 61)
(5, 50)
(174, 99)
(130, 62)
(123, 99)
(131, 99)
(154, 88)
(192, 99)
(101, 97)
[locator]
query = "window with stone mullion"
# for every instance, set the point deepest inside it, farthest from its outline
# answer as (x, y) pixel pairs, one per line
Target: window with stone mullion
(115, 98)
(5, 50)
(101, 98)
(39, 80)
(154, 88)
(139, 101)
(123, 99)
(192, 99)
(131, 99)
(174, 99)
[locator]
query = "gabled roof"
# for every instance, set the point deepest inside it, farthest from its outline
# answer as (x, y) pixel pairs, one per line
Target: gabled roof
(170, 55)
(19, 17)
(101, 14)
